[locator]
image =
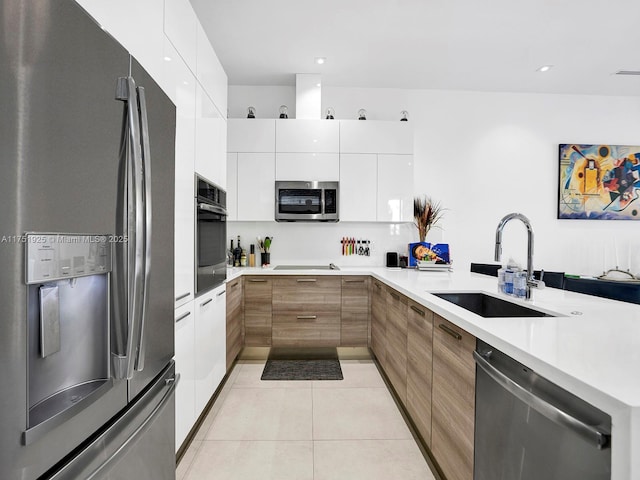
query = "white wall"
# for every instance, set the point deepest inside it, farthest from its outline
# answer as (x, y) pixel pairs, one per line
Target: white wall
(484, 155)
(319, 243)
(266, 100)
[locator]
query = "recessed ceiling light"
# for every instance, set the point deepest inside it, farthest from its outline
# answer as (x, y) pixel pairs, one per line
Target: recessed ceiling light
(167, 59)
(318, 84)
(545, 68)
(320, 60)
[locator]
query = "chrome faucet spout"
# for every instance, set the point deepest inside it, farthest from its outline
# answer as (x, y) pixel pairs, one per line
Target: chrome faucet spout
(498, 248)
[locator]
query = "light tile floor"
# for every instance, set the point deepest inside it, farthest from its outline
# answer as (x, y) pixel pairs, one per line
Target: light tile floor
(304, 430)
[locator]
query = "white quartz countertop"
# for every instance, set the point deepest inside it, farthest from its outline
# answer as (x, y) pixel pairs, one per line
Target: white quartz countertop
(591, 348)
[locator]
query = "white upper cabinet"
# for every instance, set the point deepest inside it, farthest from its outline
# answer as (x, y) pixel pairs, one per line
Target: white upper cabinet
(211, 140)
(210, 73)
(180, 26)
(395, 188)
(232, 186)
(364, 136)
(138, 26)
(256, 186)
(321, 167)
(251, 135)
(317, 136)
(358, 187)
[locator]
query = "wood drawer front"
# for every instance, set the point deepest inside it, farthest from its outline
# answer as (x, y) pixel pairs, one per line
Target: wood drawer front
(396, 360)
(234, 293)
(453, 399)
(419, 367)
(307, 294)
(318, 329)
(257, 310)
(355, 294)
(354, 329)
(234, 320)
(378, 341)
(397, 305)
(378, 321)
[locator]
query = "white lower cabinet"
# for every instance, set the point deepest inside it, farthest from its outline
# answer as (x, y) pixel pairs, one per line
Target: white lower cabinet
(395, 188)
(185, 367)
(210, 345)
(256, 186)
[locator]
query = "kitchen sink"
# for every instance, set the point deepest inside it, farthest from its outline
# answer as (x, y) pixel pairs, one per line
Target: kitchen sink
(331, 266)
(489, 306)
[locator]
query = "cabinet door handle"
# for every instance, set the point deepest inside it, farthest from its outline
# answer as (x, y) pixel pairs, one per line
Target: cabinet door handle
(221, 293)
(450, 331)
(306, 279)
(233, 285)
(354, 281)
(182, 317)
(394, 295)
(307, 317)
(207, 302)
(417, 310)
(257, 280)
(184, 295)
(377, 285)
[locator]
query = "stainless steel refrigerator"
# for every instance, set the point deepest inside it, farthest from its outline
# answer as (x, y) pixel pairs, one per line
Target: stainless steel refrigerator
(86, 253)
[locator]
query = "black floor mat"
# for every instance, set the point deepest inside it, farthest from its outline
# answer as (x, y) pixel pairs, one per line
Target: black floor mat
(302, 364)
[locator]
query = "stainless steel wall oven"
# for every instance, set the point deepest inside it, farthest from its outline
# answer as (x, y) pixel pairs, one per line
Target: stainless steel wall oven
(211, 235)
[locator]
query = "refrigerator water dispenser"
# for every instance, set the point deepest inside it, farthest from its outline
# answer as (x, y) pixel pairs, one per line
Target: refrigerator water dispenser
(68, 326)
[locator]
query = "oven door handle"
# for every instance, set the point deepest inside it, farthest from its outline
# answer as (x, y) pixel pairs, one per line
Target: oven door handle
(212, 208)
(588, 432)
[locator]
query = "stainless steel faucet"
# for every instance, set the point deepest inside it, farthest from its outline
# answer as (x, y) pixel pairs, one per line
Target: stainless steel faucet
(531, 282)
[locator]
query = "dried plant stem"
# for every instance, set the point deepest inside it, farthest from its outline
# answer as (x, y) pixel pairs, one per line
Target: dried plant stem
(426, 213)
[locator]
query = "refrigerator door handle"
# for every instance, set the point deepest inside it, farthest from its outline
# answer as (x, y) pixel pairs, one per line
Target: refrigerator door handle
(127, 92)
(146, 164)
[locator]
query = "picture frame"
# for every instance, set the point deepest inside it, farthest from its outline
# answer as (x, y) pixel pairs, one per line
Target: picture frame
(598, 182)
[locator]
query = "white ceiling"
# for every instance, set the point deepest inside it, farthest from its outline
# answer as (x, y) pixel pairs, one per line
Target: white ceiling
(487, 45)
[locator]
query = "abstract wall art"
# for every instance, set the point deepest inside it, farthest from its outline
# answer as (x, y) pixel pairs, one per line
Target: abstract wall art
(600, 182)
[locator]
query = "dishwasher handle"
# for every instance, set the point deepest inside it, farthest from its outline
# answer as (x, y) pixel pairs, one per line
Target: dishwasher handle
(553, 413)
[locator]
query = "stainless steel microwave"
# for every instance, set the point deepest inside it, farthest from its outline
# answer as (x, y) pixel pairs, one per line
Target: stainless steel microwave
(307, 201)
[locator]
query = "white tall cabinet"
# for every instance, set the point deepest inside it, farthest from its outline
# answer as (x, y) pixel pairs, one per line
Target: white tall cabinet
(169, 42)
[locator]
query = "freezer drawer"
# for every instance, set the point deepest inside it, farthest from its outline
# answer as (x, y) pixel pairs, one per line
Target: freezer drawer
(138, 444)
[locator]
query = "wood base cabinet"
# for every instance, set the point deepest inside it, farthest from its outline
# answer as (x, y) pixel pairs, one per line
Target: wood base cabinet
(419, 367)
(378, 321)
(257, 310)
(453, 399)
(354, 329)
(234, 320)
(396, 345)
(306, 311)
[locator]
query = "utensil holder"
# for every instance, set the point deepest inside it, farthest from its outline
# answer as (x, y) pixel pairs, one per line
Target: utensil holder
(265, 258)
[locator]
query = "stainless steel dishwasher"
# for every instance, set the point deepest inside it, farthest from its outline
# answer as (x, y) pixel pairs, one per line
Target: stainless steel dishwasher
(528, 428)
